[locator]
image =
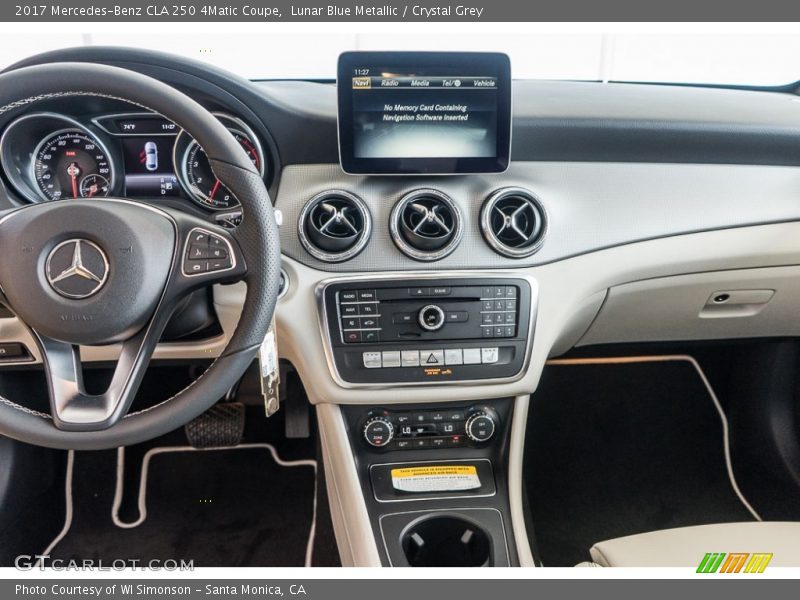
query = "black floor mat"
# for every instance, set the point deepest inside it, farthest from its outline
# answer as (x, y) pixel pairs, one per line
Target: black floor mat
(620, 449)
(217, 508)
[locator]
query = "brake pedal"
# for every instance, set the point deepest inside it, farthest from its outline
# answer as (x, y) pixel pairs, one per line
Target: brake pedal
(220, 425)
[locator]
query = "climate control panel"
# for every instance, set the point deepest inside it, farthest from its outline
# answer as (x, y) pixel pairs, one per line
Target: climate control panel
(429, 429)
(416, 330)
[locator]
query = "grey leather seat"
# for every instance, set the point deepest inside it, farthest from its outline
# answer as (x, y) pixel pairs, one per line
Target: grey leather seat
(686, 546)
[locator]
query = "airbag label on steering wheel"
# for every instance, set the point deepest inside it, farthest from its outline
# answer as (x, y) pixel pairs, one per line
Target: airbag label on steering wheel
(440, 478)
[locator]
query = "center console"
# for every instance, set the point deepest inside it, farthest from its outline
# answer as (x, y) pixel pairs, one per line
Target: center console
(433, 476)
(426, 330)
(434, 481)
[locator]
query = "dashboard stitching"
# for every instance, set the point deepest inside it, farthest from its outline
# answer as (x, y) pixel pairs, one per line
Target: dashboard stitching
(40, 97)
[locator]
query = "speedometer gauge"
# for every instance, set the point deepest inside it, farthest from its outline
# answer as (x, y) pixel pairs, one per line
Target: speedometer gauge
(195, 170)
(71, 164)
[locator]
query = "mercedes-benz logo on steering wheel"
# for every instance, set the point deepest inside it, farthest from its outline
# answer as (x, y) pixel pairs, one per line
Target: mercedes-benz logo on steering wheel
(76, 268)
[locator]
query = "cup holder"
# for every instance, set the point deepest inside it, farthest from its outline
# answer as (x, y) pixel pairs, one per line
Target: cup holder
(446, 541)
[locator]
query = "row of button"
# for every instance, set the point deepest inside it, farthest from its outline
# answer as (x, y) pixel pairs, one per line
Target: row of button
(371, 295)
(355, 310)
(427, 417)
(498, 318)
(453, 441)
(367, 336)
(360, 323)
(424, 292)
(450, 316)
(360, 317)
(348, 296)
(206, 253)
(430, 358)
(495, 292)
(498, 311)
(498, 305)
(507, 331)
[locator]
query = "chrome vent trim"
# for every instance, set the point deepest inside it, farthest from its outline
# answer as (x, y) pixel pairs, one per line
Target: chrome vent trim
(334, 226)
(514, 222)
(426, 225)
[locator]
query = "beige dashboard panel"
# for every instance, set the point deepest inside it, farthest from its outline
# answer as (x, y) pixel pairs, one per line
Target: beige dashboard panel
(566, 288)
(718, 305)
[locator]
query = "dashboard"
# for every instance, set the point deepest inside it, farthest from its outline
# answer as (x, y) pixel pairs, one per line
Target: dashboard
(420, 309)
(607, 186)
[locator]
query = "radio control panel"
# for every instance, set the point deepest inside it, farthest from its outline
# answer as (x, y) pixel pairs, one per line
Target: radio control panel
(412, 331)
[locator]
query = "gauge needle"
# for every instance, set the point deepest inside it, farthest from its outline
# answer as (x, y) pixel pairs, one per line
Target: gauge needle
(92, 190)
(214, 190)
(72, 171)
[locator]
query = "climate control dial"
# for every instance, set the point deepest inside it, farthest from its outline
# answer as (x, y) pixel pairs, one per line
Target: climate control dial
(378, 431)
(480, 426)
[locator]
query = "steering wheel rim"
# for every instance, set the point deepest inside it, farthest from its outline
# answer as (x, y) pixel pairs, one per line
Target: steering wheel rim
(255, 257)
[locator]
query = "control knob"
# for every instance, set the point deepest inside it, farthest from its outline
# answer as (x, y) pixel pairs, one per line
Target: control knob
(431, 317)
(480, 426)
(378, 431)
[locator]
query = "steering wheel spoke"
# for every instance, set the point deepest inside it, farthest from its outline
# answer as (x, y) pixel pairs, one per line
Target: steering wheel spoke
(71, 406)
(199, 244)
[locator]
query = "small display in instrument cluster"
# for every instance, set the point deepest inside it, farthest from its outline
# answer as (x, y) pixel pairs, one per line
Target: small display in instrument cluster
(149, 170)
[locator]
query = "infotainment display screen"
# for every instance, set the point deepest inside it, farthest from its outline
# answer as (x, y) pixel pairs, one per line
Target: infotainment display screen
(403, 113)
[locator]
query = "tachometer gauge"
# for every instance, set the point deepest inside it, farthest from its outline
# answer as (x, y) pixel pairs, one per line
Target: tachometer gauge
(93, 185)
(195, 170)
(71, 164)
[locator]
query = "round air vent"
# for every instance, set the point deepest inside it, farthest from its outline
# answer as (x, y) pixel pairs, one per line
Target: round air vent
(334, 226)
(513, 222)
(426, 225)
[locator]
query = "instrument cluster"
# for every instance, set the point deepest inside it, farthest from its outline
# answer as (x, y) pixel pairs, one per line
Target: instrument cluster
(50, 156)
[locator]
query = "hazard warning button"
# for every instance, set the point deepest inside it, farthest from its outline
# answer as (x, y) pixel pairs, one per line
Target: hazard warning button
(431, 358)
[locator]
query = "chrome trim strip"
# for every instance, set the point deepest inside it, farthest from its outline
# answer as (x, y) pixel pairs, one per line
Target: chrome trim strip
(516, 457)
(322, 315)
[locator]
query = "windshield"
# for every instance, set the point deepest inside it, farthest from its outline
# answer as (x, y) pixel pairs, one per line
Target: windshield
(734, 59)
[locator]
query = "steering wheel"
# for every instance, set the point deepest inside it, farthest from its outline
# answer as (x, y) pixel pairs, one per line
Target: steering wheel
(111, 271)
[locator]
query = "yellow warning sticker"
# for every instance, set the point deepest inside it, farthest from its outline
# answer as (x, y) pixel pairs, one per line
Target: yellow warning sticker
(436, 478)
